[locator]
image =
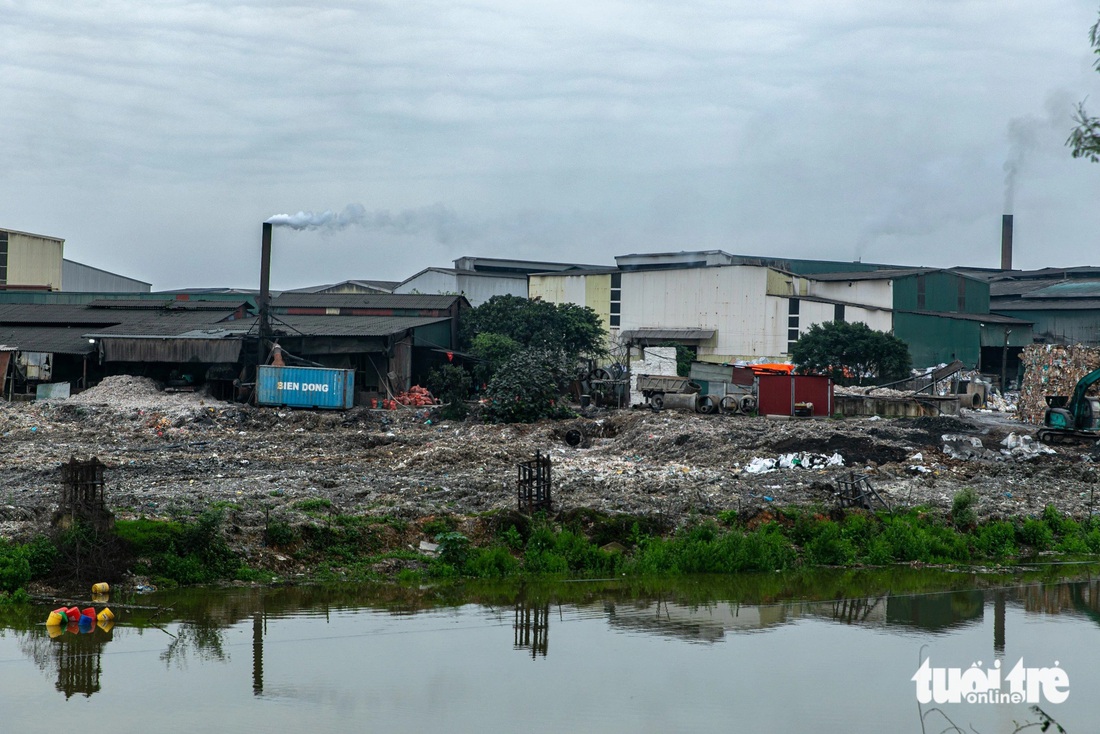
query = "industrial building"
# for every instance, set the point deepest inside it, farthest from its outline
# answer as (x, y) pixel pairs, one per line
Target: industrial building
(733, 307)
(481, 278)
(30, 260)
(80, 278)
(391, 341)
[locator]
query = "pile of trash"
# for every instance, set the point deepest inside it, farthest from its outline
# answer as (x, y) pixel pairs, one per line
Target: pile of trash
(1023, 447)
(126, 393)
(792, 461)
(1002, 402)
(1051, 369)
(970, 448)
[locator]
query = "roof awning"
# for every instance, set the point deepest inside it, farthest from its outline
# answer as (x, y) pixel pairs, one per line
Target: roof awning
(649, 336)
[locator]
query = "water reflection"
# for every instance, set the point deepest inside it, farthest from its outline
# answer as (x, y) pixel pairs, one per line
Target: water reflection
(532, 627)
(76, 655)
(194, 626)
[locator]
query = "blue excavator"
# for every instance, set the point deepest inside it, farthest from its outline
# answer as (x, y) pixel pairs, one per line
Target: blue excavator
(1075, 419)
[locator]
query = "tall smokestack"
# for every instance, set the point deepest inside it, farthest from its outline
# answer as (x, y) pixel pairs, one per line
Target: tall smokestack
(1006, 242)
(264, 301)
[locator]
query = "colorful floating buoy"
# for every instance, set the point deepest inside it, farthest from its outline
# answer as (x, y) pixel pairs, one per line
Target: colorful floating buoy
(101, 588)
(75, 620)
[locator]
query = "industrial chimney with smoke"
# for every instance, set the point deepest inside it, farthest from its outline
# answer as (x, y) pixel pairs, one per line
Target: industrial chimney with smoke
(1006, 242)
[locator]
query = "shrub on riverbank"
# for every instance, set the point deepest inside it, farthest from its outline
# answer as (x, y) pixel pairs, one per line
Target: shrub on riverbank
(576, 544)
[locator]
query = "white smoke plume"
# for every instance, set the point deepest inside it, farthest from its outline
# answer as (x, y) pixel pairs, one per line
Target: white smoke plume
(437, 220)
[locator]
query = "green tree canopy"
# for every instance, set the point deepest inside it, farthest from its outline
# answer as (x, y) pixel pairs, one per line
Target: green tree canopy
(529, 386)
(574, 329)
(851, 353)
(1084, 141)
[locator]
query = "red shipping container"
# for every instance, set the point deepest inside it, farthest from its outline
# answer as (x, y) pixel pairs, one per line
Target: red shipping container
(779, 393)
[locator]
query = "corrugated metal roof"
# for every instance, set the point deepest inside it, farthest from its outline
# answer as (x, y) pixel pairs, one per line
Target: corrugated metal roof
(166, 323)
(586, 271)
(875, 274)
(363, 300)
(1045, 304)
(1001, 288)
(344, 325)
(1068, 289)
(386, 286)
(669, 334)
(54, 313)
(988, 318)
(54, 339)
(165, 305)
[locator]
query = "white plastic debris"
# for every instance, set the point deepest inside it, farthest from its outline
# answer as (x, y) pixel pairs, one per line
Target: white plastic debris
(1023, 447)
(760, 466)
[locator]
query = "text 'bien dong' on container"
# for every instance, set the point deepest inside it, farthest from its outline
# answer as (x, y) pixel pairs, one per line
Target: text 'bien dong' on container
(305, 387)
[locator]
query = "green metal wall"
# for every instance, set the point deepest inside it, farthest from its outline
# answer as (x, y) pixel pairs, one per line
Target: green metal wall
(941, 293)
(934, 340)
(433, 335)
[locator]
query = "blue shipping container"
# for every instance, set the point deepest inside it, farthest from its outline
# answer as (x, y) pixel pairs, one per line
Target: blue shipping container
(305, 387)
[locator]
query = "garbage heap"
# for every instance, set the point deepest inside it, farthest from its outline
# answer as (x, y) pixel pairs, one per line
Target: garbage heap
(1052, 369)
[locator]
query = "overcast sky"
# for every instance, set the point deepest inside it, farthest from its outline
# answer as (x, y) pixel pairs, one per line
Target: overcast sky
(156, 136)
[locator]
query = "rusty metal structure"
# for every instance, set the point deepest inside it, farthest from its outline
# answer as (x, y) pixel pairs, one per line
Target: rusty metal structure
(856, 491)
(82, 484)
(534, 483)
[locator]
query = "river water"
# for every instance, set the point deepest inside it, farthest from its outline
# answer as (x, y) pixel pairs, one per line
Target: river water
(822, 652)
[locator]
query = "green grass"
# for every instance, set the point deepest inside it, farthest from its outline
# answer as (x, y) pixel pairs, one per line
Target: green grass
(580, 544)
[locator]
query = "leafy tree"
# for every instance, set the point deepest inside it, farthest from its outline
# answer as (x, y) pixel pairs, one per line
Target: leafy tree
(528, 352)
(1084, 141)
(451, 384)
(528, 387)
(851, 352)
(574, 329)
(493, 351)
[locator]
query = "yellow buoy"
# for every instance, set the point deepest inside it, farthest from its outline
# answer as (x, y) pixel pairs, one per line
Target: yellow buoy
(105, 616)
(101, 588)
(57, 619)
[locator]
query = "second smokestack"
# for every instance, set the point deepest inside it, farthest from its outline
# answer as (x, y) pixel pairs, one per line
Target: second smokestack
(1006, 242)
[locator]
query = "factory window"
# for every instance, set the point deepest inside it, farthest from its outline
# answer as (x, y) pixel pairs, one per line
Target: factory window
(3, 257)
(920, 291)
(838, 312)
(616, 297)
(792, 323)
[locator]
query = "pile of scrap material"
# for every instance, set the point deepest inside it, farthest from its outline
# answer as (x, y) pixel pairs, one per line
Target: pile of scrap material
(1051, 369)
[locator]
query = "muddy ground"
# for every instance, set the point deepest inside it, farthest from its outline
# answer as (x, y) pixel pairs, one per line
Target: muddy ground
(172, 456)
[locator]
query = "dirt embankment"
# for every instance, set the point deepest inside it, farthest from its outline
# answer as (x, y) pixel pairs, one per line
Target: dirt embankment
(175, 455)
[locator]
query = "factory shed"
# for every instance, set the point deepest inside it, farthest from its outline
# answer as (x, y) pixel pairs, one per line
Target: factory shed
(80, 343)
(391, 341)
